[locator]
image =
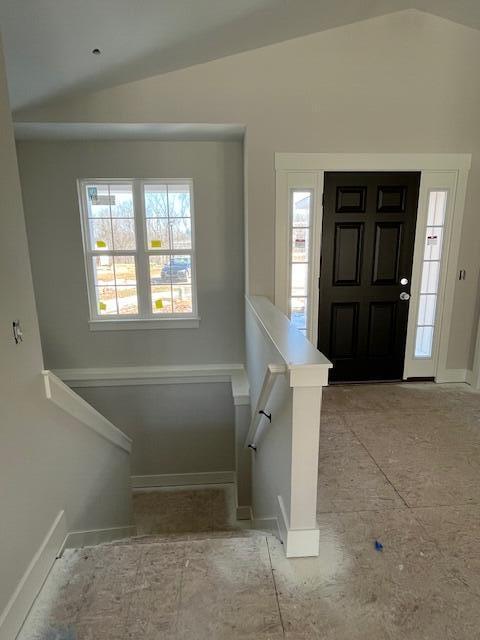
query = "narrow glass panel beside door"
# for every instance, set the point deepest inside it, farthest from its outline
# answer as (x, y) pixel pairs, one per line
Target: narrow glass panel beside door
(299, 268)
(432, 256)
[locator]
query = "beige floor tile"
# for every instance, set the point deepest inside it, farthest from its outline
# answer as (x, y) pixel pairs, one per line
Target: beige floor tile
(105, 602)
(456, 532)
(228, 592)
(103, 627)
(349, 479)
(56, 607)
(152, 609)
(354, 592)
(396, 398)
(430, 459)
(235, 551)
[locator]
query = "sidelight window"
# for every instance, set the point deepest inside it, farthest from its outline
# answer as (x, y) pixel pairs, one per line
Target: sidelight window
(300, 237)
(432, 256)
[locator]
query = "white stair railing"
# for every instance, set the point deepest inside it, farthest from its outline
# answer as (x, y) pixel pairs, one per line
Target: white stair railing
(260, 414)
(66, 399)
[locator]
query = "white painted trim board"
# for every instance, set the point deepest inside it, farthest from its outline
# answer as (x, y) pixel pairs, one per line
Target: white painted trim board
(452, 375)
(55, 542)
(183, 479)
(298, 543)
(244, 512)
(240, 388)
(79, 539)
(268, 525)
(144, 324)
(171, 374)
(306, 365)
(474, 375)
(61, 395)
(158, 373)
(14, 614)
(144, 382)
(372, 161)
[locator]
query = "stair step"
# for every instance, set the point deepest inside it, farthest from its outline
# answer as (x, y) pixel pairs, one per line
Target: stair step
(187, 536)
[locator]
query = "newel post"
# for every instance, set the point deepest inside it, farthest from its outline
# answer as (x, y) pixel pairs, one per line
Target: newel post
(302, 537)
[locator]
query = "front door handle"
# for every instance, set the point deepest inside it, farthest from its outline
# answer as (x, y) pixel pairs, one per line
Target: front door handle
(404, 296)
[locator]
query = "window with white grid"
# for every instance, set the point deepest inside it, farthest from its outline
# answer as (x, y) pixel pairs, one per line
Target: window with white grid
(138, 238)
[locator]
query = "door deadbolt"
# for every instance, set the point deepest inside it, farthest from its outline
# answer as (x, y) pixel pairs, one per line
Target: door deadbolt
(403, 281)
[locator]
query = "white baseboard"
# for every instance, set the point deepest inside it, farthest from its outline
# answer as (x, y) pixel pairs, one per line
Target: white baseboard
(78, 539)
(451, 375)
(244, 512)
(282, 519)
(14, 614)
(183, 479)
(302, 543)
(269, 525)
(298, 543)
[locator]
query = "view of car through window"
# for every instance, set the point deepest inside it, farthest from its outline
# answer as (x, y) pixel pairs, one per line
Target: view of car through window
(139, 251)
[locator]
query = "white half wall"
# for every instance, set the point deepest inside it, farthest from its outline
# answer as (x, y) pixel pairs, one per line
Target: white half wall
(286, 446)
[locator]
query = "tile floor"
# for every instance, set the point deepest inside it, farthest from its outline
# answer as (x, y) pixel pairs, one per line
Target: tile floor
(398, 463)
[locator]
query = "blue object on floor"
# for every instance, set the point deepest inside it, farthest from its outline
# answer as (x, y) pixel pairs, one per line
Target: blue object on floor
(378, 546)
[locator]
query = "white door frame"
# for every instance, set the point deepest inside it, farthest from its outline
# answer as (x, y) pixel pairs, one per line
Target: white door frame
(306, 170)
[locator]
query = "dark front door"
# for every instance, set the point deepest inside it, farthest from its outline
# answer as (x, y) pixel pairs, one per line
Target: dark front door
(368, 234)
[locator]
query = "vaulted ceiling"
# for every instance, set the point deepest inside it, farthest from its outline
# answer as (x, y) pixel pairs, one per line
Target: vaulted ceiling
(48, 43)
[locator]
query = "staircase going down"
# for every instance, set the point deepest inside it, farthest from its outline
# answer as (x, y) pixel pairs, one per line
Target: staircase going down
(191, 572)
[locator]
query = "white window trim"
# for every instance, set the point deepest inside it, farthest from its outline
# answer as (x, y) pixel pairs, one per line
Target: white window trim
(304, 169)
(430, 181)
(286, 184)
(310, 285)
(147, 319)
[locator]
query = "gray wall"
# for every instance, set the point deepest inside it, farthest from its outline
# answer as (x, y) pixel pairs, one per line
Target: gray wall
(176, 428)
(48, 174)
(48, 461)
(406, 82)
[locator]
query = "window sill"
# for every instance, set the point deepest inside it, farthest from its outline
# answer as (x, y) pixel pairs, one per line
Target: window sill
(142, 325)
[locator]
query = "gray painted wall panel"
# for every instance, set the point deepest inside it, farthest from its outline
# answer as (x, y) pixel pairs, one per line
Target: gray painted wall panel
(176, 428)
(48, 175)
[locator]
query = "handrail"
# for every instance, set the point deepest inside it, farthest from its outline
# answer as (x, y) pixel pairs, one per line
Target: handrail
(60, 394)
(271, 374)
